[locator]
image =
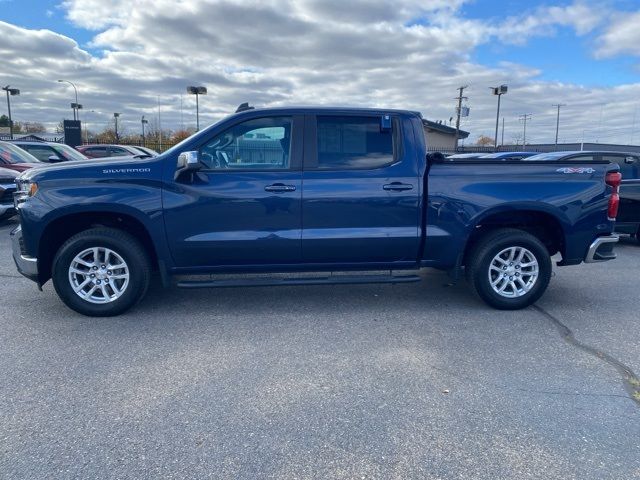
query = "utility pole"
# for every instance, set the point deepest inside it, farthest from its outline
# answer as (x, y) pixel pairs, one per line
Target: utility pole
(558, 119)
(524, 118)
(459, 98)
(502, 141)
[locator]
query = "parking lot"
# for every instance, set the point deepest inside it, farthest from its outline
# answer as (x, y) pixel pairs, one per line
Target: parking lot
(416, 380)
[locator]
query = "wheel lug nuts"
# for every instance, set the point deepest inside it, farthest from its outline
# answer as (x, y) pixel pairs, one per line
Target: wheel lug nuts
(103, 266)
(95, 268)
(510, 278)
(106, 280)
(98, 282)
(108, 272)
(93, 275)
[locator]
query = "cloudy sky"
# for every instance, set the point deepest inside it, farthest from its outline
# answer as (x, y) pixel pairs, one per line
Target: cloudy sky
(127, 55)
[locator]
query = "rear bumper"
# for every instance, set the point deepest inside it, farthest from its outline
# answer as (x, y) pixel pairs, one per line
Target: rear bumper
(601, 249)
(27, 266)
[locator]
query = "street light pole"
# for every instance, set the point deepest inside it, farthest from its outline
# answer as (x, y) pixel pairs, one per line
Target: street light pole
(76, 107)
(197, 91)
(143, 121)
(115, 116)
(10, 92)
(499, 91)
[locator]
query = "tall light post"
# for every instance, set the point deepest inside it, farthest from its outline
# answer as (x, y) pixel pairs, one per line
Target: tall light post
(558, 105)
(499, 91)
(143, 121)
(74, 106)
(115, 117)
(197, 91)
(10, 93)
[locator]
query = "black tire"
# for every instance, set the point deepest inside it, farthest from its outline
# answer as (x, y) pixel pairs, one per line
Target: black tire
(638, 235)
(485, 250)
(122, 243)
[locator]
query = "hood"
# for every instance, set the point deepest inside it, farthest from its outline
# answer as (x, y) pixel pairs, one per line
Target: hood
(92, 167)
(7, 175)
(21, 167)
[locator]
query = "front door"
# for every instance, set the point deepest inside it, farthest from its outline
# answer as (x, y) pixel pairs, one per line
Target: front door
(244, 207)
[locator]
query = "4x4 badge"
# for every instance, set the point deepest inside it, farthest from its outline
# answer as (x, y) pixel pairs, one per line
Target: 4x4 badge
(575, 170)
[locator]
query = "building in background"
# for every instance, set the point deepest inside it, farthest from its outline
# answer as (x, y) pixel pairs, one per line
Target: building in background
(441, 137)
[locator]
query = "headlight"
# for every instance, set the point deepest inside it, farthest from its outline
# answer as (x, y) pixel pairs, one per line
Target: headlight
(25, 190)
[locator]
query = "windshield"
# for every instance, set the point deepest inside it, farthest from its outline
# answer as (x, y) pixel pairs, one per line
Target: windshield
(12, 154)
(67, 151)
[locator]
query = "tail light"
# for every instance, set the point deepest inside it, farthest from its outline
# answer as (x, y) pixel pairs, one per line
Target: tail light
(613, 179)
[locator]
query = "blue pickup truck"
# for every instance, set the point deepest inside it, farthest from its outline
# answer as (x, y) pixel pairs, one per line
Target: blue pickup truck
(308, 190)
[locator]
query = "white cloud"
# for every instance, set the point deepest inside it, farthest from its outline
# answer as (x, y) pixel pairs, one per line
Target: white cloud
(622, 36)
(406, 54)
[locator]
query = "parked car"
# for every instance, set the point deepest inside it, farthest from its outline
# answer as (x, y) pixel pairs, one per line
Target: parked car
(464, 156)
(148, 151)
(15, 158)
(50, 152)
(628, 220)
(7, 189)
(103, 151)
(229, 199)
(508, 156)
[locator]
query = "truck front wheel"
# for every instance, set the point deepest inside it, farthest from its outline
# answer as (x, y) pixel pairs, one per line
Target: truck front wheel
(509, 269)
(101, 272)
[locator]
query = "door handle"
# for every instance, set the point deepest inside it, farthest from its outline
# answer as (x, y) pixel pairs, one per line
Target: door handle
(397, 186)
(280, 188)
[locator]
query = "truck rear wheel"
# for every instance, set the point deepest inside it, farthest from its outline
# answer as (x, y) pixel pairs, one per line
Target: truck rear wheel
(101, 272)
(509, 269)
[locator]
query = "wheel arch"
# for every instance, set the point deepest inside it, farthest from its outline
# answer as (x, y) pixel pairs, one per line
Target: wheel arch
(547, 226)
(63, 227)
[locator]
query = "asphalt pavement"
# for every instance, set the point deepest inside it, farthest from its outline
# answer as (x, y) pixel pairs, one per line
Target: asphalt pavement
(369, 381)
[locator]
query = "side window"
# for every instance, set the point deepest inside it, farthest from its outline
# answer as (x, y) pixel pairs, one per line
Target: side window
(259, 144)
(353, 143)
(96, 152)
(41, 152)
(582, 158)
(119, 152)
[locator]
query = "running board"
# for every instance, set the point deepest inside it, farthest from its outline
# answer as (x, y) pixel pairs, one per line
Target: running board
(272, 282)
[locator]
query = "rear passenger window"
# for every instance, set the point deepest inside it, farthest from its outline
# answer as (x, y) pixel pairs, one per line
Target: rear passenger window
(353, 143)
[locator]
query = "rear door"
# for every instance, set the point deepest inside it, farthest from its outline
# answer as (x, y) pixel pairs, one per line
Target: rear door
(361, 194)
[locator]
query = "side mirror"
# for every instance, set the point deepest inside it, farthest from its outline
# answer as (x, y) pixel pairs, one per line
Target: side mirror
(187, 162)
(629, 160)
(53, 158)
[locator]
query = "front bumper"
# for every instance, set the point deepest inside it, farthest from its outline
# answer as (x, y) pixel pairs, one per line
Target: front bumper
(7, 208)
(601, 249)
(27, 266)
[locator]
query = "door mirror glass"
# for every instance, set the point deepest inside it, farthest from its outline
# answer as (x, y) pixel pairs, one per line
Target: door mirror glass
(629, 160)
(53, 158)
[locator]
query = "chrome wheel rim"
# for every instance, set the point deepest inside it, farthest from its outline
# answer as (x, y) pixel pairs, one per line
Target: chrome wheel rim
(513, 272)
(98, 275)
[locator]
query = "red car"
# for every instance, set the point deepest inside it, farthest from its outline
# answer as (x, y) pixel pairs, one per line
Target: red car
(14, 158)
(102, 151)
